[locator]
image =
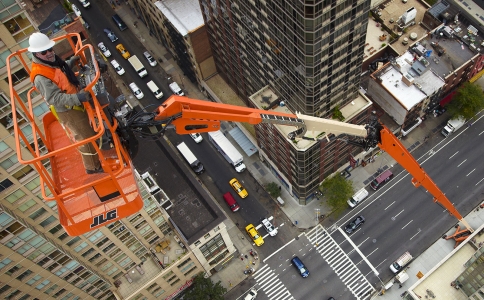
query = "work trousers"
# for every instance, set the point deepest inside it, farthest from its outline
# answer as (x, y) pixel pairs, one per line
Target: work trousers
(78, 124)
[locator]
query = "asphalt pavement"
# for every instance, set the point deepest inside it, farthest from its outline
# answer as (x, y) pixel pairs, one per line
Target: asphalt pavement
(300, 218)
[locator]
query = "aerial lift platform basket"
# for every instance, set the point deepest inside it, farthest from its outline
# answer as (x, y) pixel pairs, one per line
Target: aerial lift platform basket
(85, 202)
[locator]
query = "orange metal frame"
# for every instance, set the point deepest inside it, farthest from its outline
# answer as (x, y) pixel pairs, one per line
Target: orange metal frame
(77, 194)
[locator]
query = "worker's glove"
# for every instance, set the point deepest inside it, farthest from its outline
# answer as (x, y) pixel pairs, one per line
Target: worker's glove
(75, 59)
(84, 96)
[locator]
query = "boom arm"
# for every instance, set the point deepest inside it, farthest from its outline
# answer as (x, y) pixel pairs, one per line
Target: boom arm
(189, 116)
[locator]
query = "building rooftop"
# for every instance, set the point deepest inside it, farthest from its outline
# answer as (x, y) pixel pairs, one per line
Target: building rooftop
(428, 81)
(185, 16)
(192, 212)
(456, 53)
(407, 96)
(266, 95)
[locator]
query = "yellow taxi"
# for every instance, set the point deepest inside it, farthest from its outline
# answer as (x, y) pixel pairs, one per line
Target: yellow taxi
(235, 184)
(252, 232)
(123, 51)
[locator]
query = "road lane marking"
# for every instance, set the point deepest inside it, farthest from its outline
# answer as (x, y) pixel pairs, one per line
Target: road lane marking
(278, 250)
(415, 234)
(453, 154)
(470, 172)
(389, 205)
(372, 252)
(407, 224)
(479, 181)
(393, 218)
(462, 163)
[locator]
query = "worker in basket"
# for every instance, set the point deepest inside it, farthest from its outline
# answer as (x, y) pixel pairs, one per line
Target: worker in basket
(57, 83)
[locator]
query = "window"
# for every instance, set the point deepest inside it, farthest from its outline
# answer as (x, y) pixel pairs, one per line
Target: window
(5, 262)
(9, 162)
(3, 57)
(18, 76)
(80, 247)
(96, 236)
(24, 275)
(13, 270)
(5, 185)
(19, 26)
(73, 241)
(15, 195)
(32, 185)
(37, 213)
(26, 205)
(48, 221)
(34, 279)
(56, 228)
(4, 147)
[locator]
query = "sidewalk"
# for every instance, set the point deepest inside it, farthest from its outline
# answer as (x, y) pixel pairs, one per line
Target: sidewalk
(361, 176)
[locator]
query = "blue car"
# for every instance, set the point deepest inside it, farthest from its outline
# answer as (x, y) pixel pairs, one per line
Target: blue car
(300, 266)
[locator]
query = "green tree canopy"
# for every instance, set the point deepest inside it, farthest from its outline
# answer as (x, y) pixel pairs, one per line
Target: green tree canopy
(467, 102)
(273, 189)
(337, 191)
(204, 288)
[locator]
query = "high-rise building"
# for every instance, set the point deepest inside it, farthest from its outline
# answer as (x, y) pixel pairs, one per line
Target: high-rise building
(153, 253)
(309, 53)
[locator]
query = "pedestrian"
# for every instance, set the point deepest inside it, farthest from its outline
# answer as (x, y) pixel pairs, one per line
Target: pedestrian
(400, 286)
(246, 257)
(58, 85)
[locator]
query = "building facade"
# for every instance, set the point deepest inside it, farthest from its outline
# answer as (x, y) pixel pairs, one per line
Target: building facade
(309, 53)
(144, 256)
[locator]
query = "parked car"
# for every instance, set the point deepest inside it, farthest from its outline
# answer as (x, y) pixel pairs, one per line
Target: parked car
(76, 10)
(269, 227)
(104, 49)
(136, 91)
(123, 51)
(254, 234)
(117, 67)
(197, 137)
(251, 294)
(85, 3)
(111, 35)
(235, 184)
(355, 224)
(150, 58)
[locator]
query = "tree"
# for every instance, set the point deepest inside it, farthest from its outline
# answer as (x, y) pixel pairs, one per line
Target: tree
(337, 191)
(203, 288)
(273, 189)
(467, 102)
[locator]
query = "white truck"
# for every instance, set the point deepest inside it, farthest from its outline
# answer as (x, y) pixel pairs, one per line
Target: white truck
(191, 159)
(453, 125)
(138, 66)
(175, 88)
(228, 151)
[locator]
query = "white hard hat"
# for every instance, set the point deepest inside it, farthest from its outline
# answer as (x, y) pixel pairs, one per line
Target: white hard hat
(39, 42)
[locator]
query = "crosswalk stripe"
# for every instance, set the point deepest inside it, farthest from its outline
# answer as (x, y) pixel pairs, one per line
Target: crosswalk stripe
(341, 264)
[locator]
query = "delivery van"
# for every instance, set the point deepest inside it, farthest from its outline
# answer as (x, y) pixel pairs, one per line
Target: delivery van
(154, 89)
(401, 262)
(229, 199)
(381, 179)
(358, 197)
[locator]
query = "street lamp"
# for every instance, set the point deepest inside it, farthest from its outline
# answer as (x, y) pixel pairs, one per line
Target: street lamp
(317, 210)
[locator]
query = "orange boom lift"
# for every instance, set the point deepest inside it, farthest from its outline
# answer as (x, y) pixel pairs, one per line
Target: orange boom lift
(88, 201)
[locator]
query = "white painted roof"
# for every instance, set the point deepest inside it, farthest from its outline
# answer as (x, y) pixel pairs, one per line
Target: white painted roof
(429, 81)
(185, 15)
(408, 96)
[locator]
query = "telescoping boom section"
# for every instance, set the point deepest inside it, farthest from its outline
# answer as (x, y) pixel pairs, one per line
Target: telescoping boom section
(189, 116)
(85, 202)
